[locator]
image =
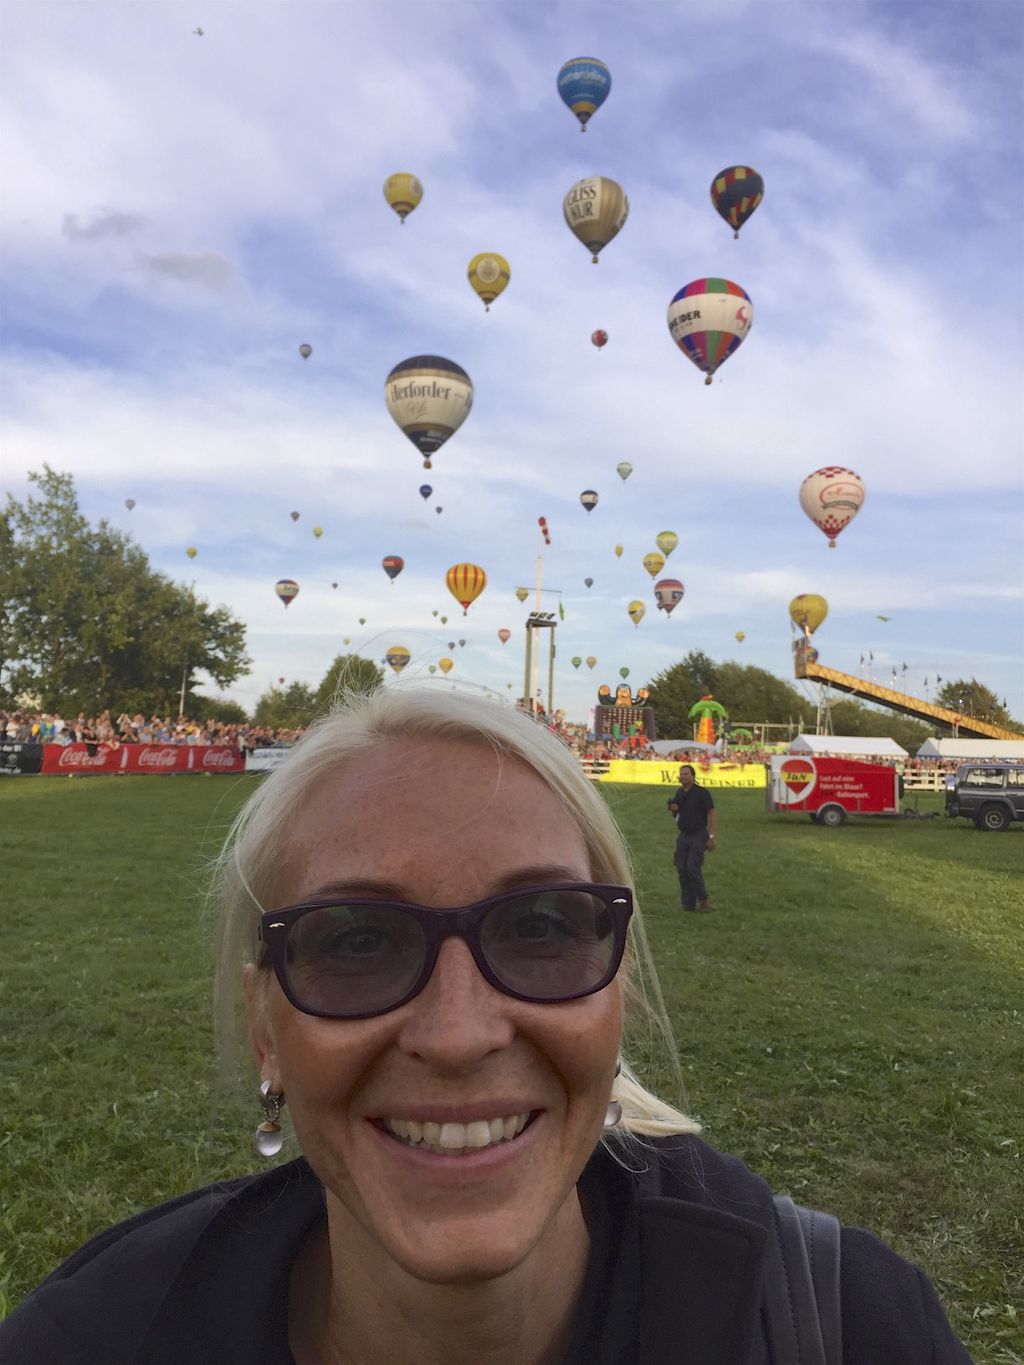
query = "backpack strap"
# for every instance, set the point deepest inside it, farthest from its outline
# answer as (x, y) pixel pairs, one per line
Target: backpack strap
(801, 1302)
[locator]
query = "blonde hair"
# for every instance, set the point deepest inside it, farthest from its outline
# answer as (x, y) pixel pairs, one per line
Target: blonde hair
(254, 851)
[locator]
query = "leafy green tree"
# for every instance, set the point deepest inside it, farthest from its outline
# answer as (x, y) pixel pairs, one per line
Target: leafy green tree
(86, 624)
(974, 699)
(286, 708)
(216, 708)
(851, 717)
(347, 672)
(748, 694)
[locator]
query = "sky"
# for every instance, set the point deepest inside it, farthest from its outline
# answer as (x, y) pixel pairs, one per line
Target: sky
(181, 212)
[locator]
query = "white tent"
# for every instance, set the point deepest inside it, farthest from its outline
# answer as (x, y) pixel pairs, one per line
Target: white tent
(972, 748)
(847, 746)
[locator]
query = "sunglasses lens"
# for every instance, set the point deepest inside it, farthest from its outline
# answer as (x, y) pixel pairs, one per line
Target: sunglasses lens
(354, 959)
(550, 945)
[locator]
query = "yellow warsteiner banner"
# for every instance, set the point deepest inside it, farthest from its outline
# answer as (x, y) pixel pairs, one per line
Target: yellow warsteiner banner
(745, 775)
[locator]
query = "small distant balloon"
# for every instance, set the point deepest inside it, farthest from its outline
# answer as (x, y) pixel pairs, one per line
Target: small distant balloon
(623, 673)
(488, 275)
(589, 499)
(392, 565)
(741, 635)
(654, 563)
(334, 585)
(591, 660)
(294, 516)
(462, 644)
(318, 531)
(589, 582)
(618, 552)
(446, 665)
(623, 469)
(129, 503)
(281, 680)
(595, 210)
(444, 620)
(522, 593)
(583, 85)
(403, 192)
(433, 613)
(504, 635)
(599, 338)
(191, 552)
(432, 668)
(451, 644)
(425, 491)
(305, 350)
(668, 593)
(666, 542)
(832, 497)
(347, 640)
(576, 661)
(636, 611)
(287, 590)
(736, 193)
(362, 620)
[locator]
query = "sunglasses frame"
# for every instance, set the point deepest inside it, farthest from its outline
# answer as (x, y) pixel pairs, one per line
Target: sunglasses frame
(464, 922)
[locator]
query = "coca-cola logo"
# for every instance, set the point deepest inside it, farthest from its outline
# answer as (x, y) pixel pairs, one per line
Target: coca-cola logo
(220, 758)
(81, 758)
(158, 758)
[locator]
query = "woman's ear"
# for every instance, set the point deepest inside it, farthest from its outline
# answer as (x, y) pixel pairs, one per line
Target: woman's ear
(257, 1025)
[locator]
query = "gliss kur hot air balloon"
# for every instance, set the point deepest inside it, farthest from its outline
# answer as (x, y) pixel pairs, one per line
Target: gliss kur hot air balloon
(522, 593)
(430, 398)
(623, 469)
(583, 84)
(599, 339)
(708, 320)
(287, 590)
(736, 193)
(808, 611)
(392, 565)
(666, 542)
(504, 635)
(446, 665)
(397, 657)
(305, 350)
(668, 593)
(465, 583)
(832, 497)
(654, 563)
(591, 661)
(488, 275)
(589, 499)
(595, 209)
(403, 192)
(636, 611)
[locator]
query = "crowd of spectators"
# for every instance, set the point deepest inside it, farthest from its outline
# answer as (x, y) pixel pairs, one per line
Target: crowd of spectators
(105, 729)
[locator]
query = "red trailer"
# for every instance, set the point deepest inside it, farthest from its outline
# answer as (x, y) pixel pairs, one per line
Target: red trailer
(830, 789)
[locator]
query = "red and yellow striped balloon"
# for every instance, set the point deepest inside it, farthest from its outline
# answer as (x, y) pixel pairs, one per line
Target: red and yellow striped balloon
(465, 583)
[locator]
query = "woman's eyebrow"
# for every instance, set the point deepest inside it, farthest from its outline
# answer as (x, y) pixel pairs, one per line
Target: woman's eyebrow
(544, 875)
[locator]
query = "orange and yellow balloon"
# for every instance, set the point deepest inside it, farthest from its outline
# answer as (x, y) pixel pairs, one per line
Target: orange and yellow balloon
(446, 665)
(807, 611)
(465, 583)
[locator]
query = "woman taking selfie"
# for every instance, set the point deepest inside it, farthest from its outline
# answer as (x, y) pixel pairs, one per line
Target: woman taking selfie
(429, 911)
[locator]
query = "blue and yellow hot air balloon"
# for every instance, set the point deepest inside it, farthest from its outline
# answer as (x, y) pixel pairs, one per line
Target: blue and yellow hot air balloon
(736, 193)
(584, 83)
(708, 319)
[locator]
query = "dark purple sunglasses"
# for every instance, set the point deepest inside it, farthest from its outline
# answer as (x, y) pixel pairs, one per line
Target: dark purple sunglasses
(354, 958)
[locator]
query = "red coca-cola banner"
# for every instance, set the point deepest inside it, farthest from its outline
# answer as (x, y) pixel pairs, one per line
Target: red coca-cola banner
(141, 758)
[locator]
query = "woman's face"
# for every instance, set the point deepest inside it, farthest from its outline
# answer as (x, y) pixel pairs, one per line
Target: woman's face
(442, 824)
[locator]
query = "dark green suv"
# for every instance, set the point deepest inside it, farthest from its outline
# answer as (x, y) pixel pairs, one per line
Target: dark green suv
(990, 794)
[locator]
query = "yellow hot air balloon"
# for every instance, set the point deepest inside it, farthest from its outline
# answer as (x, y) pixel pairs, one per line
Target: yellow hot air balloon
(654, 563)
(403, 192)
(807, 611)
(488, 273)
(191, 552)
(318, 531)
(618, 552)
(666, 541)
(446, 665)
(595, 209)
(741, 635)
(522, 593)
(636, 611)
(465, 583)
(397, 656)
(590, 661)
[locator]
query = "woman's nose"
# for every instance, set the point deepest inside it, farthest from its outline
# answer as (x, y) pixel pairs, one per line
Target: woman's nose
(458, 1018)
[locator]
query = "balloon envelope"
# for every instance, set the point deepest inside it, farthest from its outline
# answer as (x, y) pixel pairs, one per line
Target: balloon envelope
(708, 320)
(599, 338)
(465, 583)
(589, 499)
(446, 665)
(318, 531)
(666, 541)
(668, 593)
(403, 192)
(591, 661)
(808, 610)
(654, 563)
(636, 610)
(583, 84)
(504, 635)
(425, 491)
(287, 589)
(618, 552)
(832, 497)
(741, 635)
(430, 398)
(294, 516)
(589, 582)
(129, 503)
(623, 673)
(191, 552)
(595, 210)
(623, 469)
(488, 274)
(305, 350)
(522, 593)
(392, 565)
(397, 657)
(736, 193)
(576, 661)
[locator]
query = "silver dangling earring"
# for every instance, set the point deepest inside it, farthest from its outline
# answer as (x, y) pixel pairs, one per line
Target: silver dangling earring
(269, 1139)
(613, 1114)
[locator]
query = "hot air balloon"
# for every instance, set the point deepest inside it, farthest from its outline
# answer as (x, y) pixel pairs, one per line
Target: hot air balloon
(129, 503)
(287, 589)
(807, 611)
(488, 274)
(444, 620)
(403, 192)
(583, 84)
(451, 644)
(362, 620)
(318, 531)
(294, 515)
(446, 665)
(392, 565)
(654, 563)
(832, 497)
(347, 640)
(425, 491)
(668, 593)
(623, 469)
(576, 661)
(433, 613)
(595, 209)
(588, 582)
(637, 611)
(191, 552)
(666, 542)
(522, 593)
(589, 499)
(618, 552)
(462, 644)
(465, 583)
(430, 398)
(334, 585)
(741, 635)
(504, 635)
(708, 319)
(305, 350)
(623, 673)
(590, 661)
(599, 339)
(397, 657)
(432, 668)
(736, 193)
(438, 510)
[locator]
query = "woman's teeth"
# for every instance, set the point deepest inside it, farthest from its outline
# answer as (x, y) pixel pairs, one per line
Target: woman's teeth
(456, 1139)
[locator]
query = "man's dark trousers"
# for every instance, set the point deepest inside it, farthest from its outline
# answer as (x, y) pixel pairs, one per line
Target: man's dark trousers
(689, 861)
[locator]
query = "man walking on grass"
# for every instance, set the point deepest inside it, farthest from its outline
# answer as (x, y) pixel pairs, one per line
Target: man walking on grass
(697, 821)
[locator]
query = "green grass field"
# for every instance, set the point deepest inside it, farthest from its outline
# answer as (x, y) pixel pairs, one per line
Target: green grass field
(849, 1021)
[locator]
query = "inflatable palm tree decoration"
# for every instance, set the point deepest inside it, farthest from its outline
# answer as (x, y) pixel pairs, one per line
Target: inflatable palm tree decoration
(707, 709)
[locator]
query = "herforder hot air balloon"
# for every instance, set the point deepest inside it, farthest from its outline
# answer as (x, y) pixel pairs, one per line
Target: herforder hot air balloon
(595, 209)
(708, 320)
(397, 657)
(668, 593)
(465, 583)
(654, 563)
(403, 192)
(808, 610)
(636, 611)
(430, 398)
(488, 275)
(666, 542)
(287, 589)
(736, 193)
(832, 497)
(583, 84)
(589, 499)
(392, 565)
